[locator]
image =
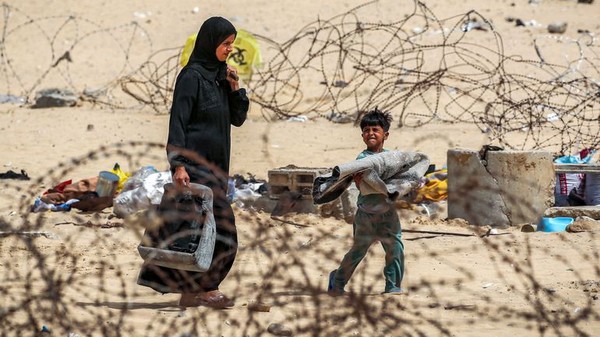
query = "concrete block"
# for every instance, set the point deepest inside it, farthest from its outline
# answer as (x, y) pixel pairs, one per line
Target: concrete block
(293, 179)
(506, 188)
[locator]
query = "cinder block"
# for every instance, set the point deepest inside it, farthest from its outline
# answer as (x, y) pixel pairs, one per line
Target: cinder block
(294, 179)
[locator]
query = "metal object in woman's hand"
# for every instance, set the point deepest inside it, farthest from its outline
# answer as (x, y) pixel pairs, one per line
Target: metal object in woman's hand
(186, 238)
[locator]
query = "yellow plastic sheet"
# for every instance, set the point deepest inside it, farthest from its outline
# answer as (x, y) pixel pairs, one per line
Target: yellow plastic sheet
(436, 189)
(123, 176)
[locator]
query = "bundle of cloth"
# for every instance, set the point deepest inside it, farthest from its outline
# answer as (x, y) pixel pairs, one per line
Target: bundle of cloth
(392, 173)
(68, 194)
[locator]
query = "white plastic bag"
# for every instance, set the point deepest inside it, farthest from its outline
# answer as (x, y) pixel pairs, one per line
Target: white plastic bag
(148, 193)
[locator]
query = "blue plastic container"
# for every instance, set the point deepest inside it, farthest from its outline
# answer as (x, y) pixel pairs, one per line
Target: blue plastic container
(558, 224)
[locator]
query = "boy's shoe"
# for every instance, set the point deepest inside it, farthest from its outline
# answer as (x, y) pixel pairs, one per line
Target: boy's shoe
(395, 291)
(331, 289)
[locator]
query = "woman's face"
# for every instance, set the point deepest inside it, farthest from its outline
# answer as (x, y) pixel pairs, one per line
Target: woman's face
(225, 48)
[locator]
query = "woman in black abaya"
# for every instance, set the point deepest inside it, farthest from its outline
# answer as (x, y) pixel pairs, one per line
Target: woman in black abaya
(207, 100)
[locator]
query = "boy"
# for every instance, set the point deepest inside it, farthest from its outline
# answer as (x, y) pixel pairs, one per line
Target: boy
(376, 218)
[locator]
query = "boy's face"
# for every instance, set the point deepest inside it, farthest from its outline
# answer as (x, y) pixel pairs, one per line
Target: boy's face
(374, 136)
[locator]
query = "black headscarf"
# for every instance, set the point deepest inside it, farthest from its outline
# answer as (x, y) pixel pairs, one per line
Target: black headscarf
(212, 33)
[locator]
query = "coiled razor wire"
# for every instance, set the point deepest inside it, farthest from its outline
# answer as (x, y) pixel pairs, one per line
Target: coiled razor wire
(62, 57)
(77, 277)
(421, 68)
(426, 70)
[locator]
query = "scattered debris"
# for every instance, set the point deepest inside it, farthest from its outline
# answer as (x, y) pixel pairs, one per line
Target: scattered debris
(259, 306)
(583, 224)
(474, 24)
(142, 16)
(47, 235)
(557, 27)
(340, 84)
(467, 307)
(14, 175)
(11, 99)
(89, 223)
(54, 97)
(436, 232)
(528, 228)
(529, 23)
(301, 119)
(94, 93)
(64, 57)
(337, 117)
(279, 330)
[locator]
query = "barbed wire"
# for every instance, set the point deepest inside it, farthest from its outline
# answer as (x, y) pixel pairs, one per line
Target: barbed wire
(421, 68)
(75, 274)
(60, 52)
(429, 70)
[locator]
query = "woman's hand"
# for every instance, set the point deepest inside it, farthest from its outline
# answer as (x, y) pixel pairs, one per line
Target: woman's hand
(233, 78)
(181, 177)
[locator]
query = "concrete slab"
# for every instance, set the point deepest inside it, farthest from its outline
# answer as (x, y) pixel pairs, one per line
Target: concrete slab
(506, 188)
(574, 212)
